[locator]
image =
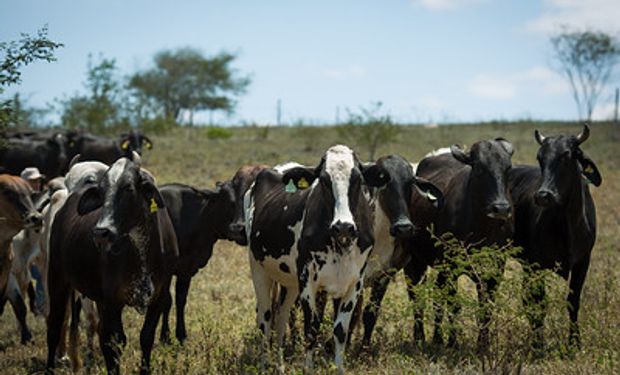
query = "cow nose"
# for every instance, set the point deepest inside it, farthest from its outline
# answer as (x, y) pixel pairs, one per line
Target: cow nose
(343, 233)
(501, 209)
(544, 197)
(33, 221)
(401, 229)
(237, 233)
(103, 235)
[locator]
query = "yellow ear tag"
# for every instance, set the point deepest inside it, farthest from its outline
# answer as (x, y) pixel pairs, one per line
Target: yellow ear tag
(149, 146)
(302, 183)
(153, 207)
(589, 169)
(125, 145)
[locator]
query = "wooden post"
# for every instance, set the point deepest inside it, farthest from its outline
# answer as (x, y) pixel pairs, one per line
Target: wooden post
(616, 123)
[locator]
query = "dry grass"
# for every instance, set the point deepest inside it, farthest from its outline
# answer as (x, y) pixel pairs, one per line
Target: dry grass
(220, 312)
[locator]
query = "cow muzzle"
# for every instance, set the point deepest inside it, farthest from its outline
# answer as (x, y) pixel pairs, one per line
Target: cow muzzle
(343, 234)
(104, 236)
(546, 198)
(500, 211)
(402, 229)
(236, 232)
(33, 221)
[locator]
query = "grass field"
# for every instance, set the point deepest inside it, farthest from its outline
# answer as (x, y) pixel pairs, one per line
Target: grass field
(220, 312)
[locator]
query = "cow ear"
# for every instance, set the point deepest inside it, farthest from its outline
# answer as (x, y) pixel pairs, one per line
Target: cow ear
(429, 191)
(150, 192)
(375, 175)
(298, 178)
(460, 155)
(590, 171)
(506, 145)
(90, 200)
(147, 142)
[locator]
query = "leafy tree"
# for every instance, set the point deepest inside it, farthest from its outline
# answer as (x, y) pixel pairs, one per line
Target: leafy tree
(185, 80)
(587, 60)
(14, 55)
(369, 129)
(102, 106)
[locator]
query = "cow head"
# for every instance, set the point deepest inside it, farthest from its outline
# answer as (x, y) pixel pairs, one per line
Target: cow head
(82, 174)
(394, 196)
(134, 141)
(490, 162)
(240, 183)
(16, 206)
(223, 202)
(338, 182)
(563, 164)
(127, 196)
(58, 144)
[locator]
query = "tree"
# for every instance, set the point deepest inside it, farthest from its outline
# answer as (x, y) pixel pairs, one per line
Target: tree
(14, 55)
(587, 59)
(102, 106)
(186, 80)
(369, 128)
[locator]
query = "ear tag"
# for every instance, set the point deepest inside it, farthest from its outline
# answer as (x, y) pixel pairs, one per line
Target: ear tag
(589, 169)
(302, 183)
(149, 146)
(125, 145)
(153, 207)
(290, 187)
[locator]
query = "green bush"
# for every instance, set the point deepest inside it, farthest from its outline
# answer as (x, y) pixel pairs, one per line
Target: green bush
(219, 133)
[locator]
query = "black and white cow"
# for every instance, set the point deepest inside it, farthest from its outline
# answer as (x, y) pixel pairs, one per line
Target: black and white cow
(310, 230)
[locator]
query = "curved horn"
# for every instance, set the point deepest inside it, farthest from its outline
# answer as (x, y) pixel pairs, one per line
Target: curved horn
(585, 133)
(460, 155)
(74, 161)
(135, 157)
(539, 137)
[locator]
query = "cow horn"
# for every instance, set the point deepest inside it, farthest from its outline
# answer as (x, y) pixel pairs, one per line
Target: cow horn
(539, 137)
(74, 161)
(135, 157)
(584, 135)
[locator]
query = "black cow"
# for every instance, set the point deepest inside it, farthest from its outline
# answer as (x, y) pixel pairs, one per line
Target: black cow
(200, 218)
(310, 231)
(392, 223)
(115, 244)
(477, 211)
(555, 217)
(106, 150)
(48, 154)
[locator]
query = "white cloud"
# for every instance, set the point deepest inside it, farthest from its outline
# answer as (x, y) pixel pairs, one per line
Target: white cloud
(494, 87)
(439, 5)
(537, 80)
(579, 14)
(350, 71)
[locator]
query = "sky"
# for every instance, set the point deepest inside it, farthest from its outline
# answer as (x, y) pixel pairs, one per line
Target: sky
(427, 61)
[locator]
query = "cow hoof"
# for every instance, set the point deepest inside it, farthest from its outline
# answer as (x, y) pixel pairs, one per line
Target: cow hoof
(26, 338)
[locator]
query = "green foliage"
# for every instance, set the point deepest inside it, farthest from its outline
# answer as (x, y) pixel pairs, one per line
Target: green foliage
(587, 59)
(184, 79)
(14, 55)
(102, 106)
(216, 132)
(369, 129)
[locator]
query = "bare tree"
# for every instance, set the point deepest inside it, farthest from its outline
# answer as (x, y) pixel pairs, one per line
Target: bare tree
(587, 59)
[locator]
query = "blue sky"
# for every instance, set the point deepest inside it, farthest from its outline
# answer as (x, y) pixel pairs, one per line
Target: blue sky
(426, 60)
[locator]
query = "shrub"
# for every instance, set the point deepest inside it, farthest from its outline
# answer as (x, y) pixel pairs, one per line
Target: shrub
(219, 133)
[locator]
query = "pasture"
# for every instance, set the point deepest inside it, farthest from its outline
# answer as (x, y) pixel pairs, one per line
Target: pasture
(222, 334)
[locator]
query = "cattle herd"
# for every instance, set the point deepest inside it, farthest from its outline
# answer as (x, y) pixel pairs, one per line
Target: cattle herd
(103, 235)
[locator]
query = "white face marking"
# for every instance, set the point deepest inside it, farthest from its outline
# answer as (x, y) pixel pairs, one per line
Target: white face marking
(114, 173)
(338, 164)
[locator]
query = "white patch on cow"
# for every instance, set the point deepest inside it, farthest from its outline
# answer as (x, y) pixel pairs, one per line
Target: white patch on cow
(414, 167)
(84, 173)
(439, 151)
(340, 272)
(281, 168)
(116, 170)
(113, 175)
(285, 208)
(248, 211)
(381, 254)
(257, 233)
(339, 163)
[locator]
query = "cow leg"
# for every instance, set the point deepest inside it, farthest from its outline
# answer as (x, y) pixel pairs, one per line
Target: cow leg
(341, 324)
(92, 317)
(312, 317)
(534, 301)
(147, 334)
(371, 311)
(74, 335)
(32, 303)
(20, 310)
(262, 287)
(414, 271)
(486, 293)
(181, 290)
(58, 299)
(111, 337)
(577, 278)
(439, 306)
(284, 311)
(164, 336)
